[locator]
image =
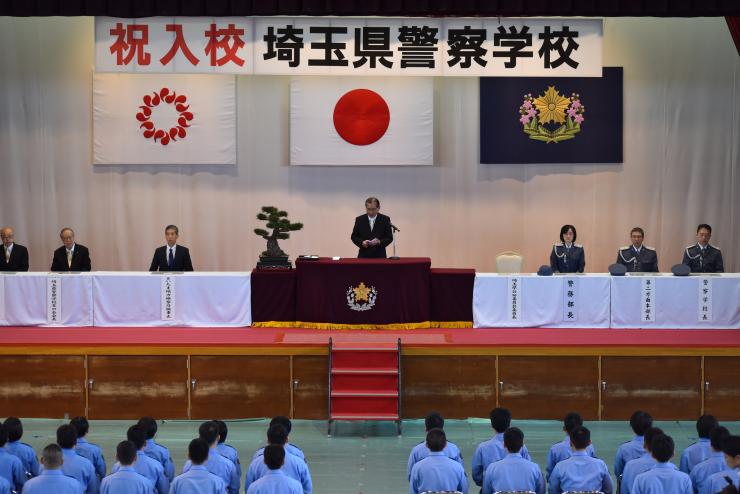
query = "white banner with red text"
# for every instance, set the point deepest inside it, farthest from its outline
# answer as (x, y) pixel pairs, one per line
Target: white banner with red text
(351, 46)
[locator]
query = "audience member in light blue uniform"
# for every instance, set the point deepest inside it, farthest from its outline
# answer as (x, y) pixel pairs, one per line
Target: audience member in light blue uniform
(561, 451)
(217, 464)
(719, 481)
(293, 467)
(664, 477)
(289, 448)
(76, 466)
(437, 472)
(198, 480)
(433, 421)
(580, 472)
(226, 450)
(155, 450)
(145, 465)
(88, 450)
(11, 468)
(701, 449)
(51, 479)
(23, 451)
(640, 422)
(125, 480)
(716, 461)
(513, 473)
(493, 450)
(275, 481)
(639, 465)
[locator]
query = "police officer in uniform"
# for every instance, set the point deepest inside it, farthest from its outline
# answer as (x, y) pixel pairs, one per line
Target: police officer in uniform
(703, 257)
(567, 256)
(638, 258)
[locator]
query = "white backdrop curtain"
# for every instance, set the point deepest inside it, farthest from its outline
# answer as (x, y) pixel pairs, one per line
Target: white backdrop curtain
(681, 166)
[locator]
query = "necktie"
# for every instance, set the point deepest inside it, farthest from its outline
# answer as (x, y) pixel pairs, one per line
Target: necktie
(372, 224)
(69, 258)
(171, 260)
(7, 254)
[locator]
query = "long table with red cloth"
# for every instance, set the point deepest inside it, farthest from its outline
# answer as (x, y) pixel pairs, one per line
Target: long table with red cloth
(363, 293)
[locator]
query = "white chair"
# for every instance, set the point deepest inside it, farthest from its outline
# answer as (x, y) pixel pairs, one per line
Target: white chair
(509, 262)
(514, 492)
(583, 492)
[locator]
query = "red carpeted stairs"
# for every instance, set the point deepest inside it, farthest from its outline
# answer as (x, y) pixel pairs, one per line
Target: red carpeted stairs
(364, 382)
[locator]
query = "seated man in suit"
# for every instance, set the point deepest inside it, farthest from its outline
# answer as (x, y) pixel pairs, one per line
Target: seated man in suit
(15, 256)
(70, 256)
(703, 257)
(638, 258)
(171, 257)
(372, 232)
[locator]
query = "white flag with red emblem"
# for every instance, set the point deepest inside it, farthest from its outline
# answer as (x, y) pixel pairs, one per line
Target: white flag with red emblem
(361, 121)
(142, 119)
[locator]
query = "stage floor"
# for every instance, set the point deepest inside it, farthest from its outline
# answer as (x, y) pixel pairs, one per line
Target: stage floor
(244, 340)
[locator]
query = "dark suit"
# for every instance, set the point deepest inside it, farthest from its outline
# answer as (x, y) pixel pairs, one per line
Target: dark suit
(706, 260)
(80, 259)
(645, 261)
(18, 259)
(182, 259)
(381, 230)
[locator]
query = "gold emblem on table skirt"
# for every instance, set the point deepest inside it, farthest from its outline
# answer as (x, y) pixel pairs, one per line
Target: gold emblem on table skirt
(361, 297)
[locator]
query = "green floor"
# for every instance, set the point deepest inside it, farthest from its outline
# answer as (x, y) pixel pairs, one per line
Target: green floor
(361, 457)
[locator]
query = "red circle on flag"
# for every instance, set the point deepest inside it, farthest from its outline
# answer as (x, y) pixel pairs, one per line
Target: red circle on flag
(361, 117)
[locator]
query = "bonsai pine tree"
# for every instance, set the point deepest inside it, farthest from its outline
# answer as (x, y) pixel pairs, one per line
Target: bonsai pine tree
(278, 222)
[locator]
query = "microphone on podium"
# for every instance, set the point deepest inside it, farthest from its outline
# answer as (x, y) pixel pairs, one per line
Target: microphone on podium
(394, 230)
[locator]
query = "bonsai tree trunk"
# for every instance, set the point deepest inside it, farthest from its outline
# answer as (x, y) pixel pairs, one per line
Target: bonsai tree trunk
(273, 250)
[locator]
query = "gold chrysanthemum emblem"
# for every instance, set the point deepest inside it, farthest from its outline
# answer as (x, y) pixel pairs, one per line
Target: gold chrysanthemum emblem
(552, 106)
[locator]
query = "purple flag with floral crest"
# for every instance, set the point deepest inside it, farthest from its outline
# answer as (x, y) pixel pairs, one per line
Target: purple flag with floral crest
(551, 119)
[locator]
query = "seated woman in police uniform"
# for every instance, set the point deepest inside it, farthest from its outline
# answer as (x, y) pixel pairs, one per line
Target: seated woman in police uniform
(567, 256)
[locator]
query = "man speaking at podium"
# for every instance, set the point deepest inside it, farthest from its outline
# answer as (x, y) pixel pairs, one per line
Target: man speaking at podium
(372, 231)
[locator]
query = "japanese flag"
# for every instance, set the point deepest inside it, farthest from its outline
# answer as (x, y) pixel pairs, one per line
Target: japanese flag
(164, 119)
(361, 121)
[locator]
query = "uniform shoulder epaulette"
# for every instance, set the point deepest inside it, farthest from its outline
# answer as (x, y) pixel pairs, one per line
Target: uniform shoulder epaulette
(690, 246)
(558, 244)
(626, 247)
(649, 248)
(714, 246)
(578, 245)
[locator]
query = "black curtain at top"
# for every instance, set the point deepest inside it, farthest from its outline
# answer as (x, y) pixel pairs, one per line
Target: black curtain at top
(435, 8)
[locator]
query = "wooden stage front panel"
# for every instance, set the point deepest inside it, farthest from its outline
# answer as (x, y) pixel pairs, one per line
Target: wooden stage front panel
(130, 387)
(42, 386)
(231, 387)
(667, 387)
(549, 387)
(462, 373)
(721, 386)
(455, 386)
